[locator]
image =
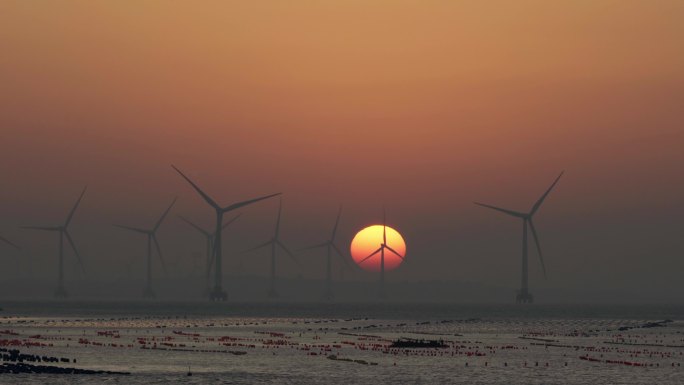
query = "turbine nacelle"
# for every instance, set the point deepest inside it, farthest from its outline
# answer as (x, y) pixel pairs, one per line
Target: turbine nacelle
(213, 203)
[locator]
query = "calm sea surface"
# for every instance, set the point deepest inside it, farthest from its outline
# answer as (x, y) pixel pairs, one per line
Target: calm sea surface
(347, 343)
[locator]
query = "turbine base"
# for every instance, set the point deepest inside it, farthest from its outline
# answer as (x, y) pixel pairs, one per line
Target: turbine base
(61, 292)
(328, 296)
(148, 293)
(382, 294)
(524, 297)
(218, 295)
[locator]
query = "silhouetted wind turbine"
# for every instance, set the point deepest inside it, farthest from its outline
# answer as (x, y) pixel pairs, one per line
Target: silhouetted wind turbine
(381, 250)
(330, 247)
(61, 292)
(275, 243)
(524, 295)
(209, 247)
(151, 234)
(217, 293)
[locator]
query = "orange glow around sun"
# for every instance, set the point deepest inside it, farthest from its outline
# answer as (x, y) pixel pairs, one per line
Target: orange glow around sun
(369, 239)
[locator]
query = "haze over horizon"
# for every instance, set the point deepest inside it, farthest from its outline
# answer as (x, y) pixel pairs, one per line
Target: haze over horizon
(420, 106)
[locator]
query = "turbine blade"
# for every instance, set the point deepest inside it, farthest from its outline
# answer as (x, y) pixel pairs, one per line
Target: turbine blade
(509, 212)
(161, 219)
(159, 252)
(536, 241)
(280, 211)
(132, 229)
(73, 247)
(9, 243)
(258, 247)
(73, 210)
(314, 246)
(344, 259)
(392, 250)
(206, 197)
(196, 227)
(384, 226)
(337, 221)
(541, 200)
(372, 254)
(245, 203)
(45, 228)
(231, 221)
(289, 253)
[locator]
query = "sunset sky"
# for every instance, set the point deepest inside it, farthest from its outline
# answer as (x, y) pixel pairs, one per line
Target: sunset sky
(421, 106)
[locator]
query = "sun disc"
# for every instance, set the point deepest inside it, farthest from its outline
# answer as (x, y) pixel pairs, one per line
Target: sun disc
(368, 240)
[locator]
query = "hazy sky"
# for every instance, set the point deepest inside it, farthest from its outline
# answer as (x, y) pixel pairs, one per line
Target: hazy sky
(424, 106)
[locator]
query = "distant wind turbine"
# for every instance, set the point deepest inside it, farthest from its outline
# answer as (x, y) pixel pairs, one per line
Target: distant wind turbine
(330, 247)
(209, 247)
(524, 296)
(381, 250)
(275, 243)
(61, 292)
(151, 234)
(217, 293)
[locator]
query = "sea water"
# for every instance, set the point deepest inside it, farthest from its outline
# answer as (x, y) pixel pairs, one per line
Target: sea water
(347, 343)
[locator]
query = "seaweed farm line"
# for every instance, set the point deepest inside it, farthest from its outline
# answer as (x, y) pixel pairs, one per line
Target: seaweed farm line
(140, 349)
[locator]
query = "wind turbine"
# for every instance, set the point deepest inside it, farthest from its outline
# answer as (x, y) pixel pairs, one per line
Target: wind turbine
(381, 250)
(275, 243)
(61, 292)
(524, 295)
(330, 247)
(217, 293)
(148, 292)
(209, 245)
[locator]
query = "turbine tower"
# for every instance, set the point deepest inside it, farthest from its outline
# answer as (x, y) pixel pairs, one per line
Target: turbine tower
(524, 295)
(151, 234)
(61, 292)
(330, 246)
(209, 247)
(275, 243)
(381, 250)
(217, 293)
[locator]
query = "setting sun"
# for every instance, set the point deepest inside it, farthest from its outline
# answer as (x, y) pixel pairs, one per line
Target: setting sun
(368, 240)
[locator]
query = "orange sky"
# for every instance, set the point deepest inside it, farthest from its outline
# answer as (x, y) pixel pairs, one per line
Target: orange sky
(423, 106)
